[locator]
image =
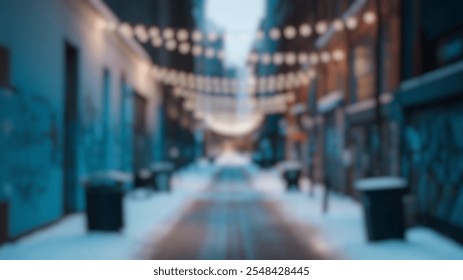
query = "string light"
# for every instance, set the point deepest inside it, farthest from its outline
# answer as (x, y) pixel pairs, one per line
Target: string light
(305, 30)
(197, 36)
(275, 34)
(351, 23)
(321, 27)
(141, 33)
(325, 57)
(278, 58)
(290, 58)
(182, 35)
(171, 45)
(126, 30)
(338, 25)
(197, 50)
(168, 33)
(154, 32)
(157, 42)
(184, 48)
(369, 17)
(290, 32)
(338, 55)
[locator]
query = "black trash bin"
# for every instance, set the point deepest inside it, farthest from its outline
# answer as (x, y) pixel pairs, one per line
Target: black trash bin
(104, 193)
(291, 174)
(382, 200)
(162, 173)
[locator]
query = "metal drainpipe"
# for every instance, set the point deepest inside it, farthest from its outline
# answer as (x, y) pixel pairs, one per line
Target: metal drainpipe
(378, 64)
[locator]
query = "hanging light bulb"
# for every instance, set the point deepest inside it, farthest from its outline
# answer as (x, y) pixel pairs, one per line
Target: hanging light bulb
(305, 30)
(141, 33)
(314, 59)
(338, 25)
(278, 58)
(184, 48)
(265, 58)
(212, 36)
(351, 23)
(126, 30)
(302, 58)
(290, 32)
(154, 32)
(182, 35)
(197, 36)
(369, 17)
(197, 50)
(168, 33)
(321, 27)
(338, 55)
(210, 53)
(171, 45)
(325, 57)
(290, 58)
(157, 42)
(275, 34)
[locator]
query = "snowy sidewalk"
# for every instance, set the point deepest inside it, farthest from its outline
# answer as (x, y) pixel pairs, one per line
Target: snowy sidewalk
(342, 228)
(146, 221)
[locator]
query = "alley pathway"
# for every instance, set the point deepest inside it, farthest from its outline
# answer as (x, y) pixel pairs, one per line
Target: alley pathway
(230, 220)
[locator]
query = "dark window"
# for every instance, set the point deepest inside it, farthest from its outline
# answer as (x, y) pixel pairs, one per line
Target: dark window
(4, 67)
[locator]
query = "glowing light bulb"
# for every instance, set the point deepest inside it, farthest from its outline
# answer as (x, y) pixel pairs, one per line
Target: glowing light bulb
(168, 33)
(154, 31)
(278, 58)
(338, 25)
(197, 50)
(275, 34)
(321, 27)
(182, 35)
(325, 57)
(338, 55)
(369, 17)
(290, 32)
(184, 48)
(265, 58)
(157, 42)
(171, 45)
(290, 58)
(126, 30)
(305, 30)
(197, 36)
(141, 33)
(351, 23)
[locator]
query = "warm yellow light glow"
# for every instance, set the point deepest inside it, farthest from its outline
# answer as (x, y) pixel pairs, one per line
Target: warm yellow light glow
(303, 58)
(338, 55)
(141, 33)
(321, 27)
(126, 30)
(351, 23)
(157, 42)
(338, 25)
(197, 50)
(154, 32)
(325, 57)
(265, 58)
(210, 53)
(184, 48)
(369, 17)
(275, 34)
(290, 58)
(305, 30)
(197, 36)
(278, 58)
(290, 32)
(168, 33)
(171, 45)
(314, 59)
(182, 35)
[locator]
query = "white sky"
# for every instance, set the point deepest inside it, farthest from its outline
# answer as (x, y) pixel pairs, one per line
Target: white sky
(240, 18)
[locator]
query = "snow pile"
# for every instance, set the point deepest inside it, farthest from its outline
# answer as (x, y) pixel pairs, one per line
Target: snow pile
(342, 228)
(147, 220)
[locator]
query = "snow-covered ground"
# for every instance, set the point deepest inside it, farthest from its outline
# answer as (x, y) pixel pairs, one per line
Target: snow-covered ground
(342, 228)
(147, 219)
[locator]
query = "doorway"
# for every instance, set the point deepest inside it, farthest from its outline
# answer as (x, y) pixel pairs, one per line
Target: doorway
(70, 129)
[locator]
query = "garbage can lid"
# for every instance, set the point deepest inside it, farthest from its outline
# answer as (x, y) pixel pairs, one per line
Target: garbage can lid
(291, 165)
(380, 183)
(108, 176)
(161, 166)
